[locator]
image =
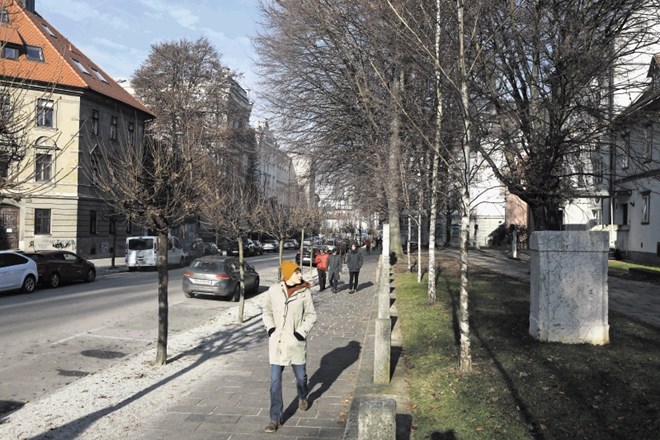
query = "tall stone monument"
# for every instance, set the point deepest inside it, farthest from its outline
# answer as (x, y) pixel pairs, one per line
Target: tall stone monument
(568, 286)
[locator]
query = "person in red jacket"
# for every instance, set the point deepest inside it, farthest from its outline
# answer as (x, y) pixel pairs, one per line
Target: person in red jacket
(321, 261)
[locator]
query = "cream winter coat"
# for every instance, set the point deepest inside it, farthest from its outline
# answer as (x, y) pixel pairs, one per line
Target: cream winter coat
(288, 315)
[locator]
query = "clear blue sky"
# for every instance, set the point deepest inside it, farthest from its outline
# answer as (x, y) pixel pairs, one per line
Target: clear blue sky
(118, 34)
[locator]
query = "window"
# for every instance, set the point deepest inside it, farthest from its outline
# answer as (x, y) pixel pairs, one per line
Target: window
(648, 142)
(99, 75)
(113, 226)
(92, 222)
(113, 128)
(625, 155)
(646, 208)
(5, 111)
(4, 16)
(45, 112)
(95, 122)
(129, 226)
(95, 163)
(131, 133)
(50, 32)
(43, 167)
(34, 53)
(80, 66)
(10, 52)
(41, 221)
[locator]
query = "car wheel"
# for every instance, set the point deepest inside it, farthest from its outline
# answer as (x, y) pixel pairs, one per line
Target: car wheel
(54, 280)
(91, 276)
(237, 293)
(29, 283)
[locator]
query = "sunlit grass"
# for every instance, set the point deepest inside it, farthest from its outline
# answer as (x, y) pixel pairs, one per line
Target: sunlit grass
(522, 388)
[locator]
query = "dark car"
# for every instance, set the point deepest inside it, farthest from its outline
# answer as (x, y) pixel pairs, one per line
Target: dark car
(210, 248)
(306, 256)
(193, 249)
(218, 275)
(56, 267)
(248, 248)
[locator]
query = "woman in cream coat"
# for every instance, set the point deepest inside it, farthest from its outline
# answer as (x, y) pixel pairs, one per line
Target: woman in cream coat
(289, 316)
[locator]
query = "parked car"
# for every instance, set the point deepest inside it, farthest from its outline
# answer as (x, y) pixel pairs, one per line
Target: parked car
(210, 248)
(218, 275)
(308, 242)
(306, 256)
(258, 247)
(55, 267)
(143, 252)
(270, 245)
(248, 248)
(193, 249)
(17, 271)
(290, 244)
(413, 246)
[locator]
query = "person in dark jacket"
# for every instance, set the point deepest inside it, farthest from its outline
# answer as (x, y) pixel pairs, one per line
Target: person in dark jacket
(354, 264)
(289, 316)
(334, 268)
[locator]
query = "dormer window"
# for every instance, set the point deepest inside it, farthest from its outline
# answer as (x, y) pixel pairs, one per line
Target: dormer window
(4, 16)
(10, 52)
(34, 53)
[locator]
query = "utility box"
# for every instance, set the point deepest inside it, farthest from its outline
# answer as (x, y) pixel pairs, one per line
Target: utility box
(568, 287)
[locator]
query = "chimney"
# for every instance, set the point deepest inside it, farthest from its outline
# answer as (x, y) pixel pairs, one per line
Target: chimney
(28, 5)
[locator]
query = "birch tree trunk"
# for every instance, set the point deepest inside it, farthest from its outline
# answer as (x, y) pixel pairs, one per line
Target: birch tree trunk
(465, 356)
(241, 283)
(433, 211)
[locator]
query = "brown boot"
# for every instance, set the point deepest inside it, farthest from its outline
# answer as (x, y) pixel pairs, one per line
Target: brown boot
(303, 405)
(272, 427)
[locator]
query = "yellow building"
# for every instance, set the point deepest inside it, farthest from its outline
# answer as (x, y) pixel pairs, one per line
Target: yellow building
(59, 109)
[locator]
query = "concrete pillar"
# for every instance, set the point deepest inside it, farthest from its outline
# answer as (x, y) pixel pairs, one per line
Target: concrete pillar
(568, 287)
(377, 418)
(382, 350)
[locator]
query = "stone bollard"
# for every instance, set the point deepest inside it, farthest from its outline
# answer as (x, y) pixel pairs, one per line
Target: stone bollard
(568, 287)
(377, 418)
(382, 350)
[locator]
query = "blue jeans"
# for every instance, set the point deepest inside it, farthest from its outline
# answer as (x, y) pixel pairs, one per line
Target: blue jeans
(276, 401)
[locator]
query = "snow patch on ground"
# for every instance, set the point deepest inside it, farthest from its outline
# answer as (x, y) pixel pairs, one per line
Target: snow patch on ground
(113, 403)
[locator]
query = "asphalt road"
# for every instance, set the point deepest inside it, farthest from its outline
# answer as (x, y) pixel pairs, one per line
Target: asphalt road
(54, 336)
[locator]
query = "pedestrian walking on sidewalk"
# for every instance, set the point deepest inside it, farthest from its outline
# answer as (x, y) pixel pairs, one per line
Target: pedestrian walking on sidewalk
(334, 268)
(354, 264)
(321, 261)
(289, 316)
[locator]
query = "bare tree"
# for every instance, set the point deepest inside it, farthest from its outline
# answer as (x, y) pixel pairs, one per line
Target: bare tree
(552, 70)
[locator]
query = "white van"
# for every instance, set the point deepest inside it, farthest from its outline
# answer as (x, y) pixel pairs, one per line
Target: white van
(142, 252)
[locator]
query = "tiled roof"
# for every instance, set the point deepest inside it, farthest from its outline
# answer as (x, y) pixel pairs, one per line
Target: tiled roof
(61, 58)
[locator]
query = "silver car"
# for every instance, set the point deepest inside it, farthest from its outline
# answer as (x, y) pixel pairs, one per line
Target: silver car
(270, 245)
(218, 275)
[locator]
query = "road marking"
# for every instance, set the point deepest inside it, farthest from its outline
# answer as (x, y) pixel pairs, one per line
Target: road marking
(90, 334)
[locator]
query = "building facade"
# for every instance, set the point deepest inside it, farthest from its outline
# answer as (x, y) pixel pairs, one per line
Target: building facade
(71, 110)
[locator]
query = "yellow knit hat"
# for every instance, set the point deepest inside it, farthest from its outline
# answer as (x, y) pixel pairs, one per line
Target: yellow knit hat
(287, 269)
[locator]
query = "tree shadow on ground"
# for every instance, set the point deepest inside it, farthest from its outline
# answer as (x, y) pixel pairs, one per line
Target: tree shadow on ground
(331, 366)
(226, 341)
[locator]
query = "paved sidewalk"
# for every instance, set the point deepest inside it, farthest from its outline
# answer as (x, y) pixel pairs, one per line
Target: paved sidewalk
(233, 401)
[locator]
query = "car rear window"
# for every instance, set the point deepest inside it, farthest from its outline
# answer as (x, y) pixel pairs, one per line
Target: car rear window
(7, 260)
(206, 266)
(140, 244)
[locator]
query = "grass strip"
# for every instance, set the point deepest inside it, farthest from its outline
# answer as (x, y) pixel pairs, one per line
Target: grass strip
(522, 388)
